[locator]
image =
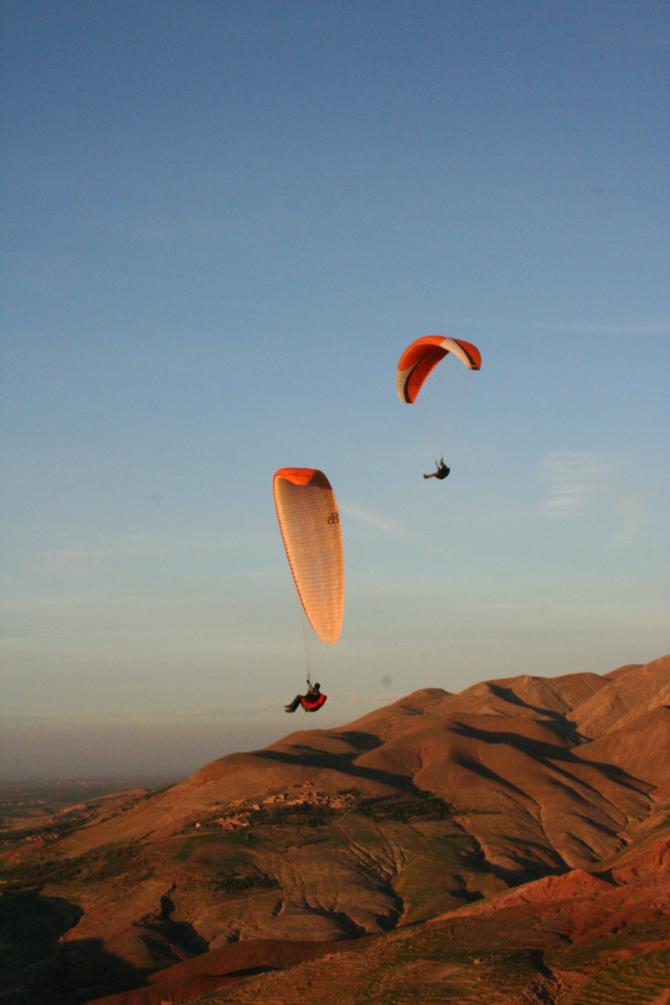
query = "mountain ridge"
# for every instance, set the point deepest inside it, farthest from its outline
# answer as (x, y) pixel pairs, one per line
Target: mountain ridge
(436, 803)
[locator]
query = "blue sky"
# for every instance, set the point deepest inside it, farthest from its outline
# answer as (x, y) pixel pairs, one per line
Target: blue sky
(222, 224)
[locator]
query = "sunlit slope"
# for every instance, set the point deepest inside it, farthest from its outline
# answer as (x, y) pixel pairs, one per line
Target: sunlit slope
(508, 747)
(428, 804)
(628, 693)
(576, 939)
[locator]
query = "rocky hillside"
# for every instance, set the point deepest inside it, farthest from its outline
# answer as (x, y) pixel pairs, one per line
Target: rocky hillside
(578, 939)
(436, 803)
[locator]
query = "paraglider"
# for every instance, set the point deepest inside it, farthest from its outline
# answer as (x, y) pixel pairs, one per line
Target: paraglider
(310, 528)
(422, 356)
(417, 363)
(441, 470)
(311, 702)
(309, 522)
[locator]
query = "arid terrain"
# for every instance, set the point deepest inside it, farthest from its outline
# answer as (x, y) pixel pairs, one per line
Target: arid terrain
(509, 843)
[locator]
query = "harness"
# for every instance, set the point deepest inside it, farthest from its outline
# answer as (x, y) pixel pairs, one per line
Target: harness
(312, 704)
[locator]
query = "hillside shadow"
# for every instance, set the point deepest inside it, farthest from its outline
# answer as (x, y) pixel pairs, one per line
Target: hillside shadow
(557, 722)
(37, 967)
(350, 930)
(250, 972)
(510, 696)
(343, 763)
(527, 866)
(549, 754)
(527, 870)
(360, 741)
(31, 925)
(530, 858)
(168, 940)
(72, 974)
(472, 764)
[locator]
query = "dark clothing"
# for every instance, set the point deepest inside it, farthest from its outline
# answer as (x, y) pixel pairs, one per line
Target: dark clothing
(313, 694)
(441, 471)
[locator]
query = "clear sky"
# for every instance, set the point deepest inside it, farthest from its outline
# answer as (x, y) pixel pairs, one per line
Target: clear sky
(222, 222)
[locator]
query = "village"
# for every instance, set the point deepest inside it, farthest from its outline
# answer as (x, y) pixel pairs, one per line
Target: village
(301, 796)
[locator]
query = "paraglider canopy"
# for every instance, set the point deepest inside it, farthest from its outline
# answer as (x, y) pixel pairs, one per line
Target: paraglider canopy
(310, 528)
(422, 356)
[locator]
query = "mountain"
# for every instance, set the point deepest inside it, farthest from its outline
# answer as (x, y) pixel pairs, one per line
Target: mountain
(577, 939)
(438, 806)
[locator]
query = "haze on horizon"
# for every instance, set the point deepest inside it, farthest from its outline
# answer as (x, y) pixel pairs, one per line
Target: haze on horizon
(222, 226)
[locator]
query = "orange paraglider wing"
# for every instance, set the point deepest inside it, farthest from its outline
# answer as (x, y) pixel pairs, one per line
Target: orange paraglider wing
(422, 356)
(310, 528)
